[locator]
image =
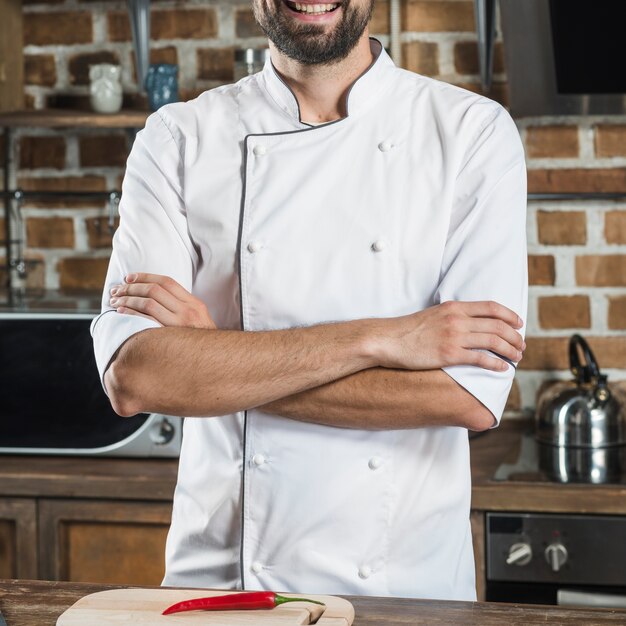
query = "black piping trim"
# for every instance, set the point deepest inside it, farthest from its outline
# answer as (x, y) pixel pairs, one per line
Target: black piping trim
(245, 414)
(511, 363)
(239, 253)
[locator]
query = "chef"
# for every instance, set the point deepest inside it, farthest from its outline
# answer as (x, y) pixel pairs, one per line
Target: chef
(323, 267)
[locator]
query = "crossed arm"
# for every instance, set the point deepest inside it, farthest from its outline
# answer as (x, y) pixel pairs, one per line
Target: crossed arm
(368, 374)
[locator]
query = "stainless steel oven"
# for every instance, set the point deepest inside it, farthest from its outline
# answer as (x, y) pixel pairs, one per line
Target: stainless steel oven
(51, 398)
(572, 560)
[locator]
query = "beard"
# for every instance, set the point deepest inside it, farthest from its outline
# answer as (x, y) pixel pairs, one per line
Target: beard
(313, 44)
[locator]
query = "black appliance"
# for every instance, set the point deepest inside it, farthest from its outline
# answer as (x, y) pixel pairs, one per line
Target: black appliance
(571, 560)
(563, 57)
(51, 398)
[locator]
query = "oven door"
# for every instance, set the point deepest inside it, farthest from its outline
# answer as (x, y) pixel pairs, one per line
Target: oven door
(563, 595)
(540, 558)
(52, 401)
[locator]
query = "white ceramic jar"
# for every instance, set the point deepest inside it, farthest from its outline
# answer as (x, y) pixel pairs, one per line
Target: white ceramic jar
(105, 87)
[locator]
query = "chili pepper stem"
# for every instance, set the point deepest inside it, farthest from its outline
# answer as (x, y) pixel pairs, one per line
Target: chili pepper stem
(282, 599)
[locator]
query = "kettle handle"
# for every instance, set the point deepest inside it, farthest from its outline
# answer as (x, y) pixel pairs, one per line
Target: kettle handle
(583, 373)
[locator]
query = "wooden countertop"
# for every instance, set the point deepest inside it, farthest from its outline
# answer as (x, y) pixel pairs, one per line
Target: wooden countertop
(40, 603)
(155, 479)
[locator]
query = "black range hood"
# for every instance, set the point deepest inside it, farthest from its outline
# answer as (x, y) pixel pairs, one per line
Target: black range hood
(563, 57)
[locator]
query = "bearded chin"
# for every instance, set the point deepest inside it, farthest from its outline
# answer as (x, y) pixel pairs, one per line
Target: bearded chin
(309, 44)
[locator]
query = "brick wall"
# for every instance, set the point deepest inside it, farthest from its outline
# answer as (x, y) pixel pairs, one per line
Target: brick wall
(577, 251)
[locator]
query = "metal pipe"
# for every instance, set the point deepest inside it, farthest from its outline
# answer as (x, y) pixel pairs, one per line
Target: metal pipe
(394, 31)
(96, 195)
(592, 195)
(485, 12)
(7, 206)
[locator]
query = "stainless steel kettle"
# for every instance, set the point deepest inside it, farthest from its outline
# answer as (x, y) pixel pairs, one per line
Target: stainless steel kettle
(581, 424)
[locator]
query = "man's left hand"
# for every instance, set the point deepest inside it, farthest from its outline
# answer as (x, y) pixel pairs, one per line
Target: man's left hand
(162, 299)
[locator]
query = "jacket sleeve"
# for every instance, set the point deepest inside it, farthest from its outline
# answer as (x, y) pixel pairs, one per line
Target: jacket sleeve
(485, 254)
(153, 232)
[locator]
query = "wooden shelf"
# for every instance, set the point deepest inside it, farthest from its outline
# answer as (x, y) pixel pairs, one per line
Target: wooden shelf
(67, 118)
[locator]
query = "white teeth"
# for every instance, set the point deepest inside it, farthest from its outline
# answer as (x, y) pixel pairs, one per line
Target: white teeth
(314, 8)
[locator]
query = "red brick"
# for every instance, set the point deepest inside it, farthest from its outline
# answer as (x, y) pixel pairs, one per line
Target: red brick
(617, 312)
(40, 69)
(51, 232)
(564, 312)
(167, 24)
(216, 63)
(541, 269)
(379, 24)
(601, 270)
(82, 272)
(79, 64)
(246, 25)
(562, 227)
(421, 57)
(36, 152)
(551, 353)
(184, 24)
(103, 151)
(165, 54)
(98, 232)
(189, 94)
(57, 28)
(545, 142)
(577, 180)
(610, 140)
(615, 226)
(498, 91)
(441, 16)
(466, 58)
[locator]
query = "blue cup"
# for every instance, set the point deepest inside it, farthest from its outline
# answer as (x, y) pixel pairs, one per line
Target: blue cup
(161, 84)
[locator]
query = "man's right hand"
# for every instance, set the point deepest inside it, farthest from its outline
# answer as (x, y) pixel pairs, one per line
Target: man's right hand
(452, 333)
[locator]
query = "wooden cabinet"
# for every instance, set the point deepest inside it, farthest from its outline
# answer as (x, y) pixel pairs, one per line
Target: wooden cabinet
(105, 542)
(115, 542)
(85, 519)
(18, 529)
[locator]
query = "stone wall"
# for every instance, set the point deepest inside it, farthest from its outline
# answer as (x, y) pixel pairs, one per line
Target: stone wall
(577, 250)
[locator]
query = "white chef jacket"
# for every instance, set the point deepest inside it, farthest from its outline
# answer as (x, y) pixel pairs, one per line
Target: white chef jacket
(417, 197)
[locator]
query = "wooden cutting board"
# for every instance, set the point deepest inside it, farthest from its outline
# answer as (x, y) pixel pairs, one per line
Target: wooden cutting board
(143, 607)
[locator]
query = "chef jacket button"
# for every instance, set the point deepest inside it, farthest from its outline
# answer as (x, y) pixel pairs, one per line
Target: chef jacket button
(254, 246)
(256, 567)
(365, 571)
(258, 459)
(375, 462)
(259, 150)
(385, 146)
(379, 246)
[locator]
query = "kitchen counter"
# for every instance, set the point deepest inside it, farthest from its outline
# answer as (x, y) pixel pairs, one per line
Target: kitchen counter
(40, 603)
(154, 479)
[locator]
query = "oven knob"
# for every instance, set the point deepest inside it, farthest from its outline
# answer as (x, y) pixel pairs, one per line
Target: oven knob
(519, 554)
(556, 555)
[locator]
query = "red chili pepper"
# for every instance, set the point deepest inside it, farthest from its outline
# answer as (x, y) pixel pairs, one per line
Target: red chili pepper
(235, 602)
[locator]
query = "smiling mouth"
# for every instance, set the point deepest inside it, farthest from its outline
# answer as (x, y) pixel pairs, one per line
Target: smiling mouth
(311, 9)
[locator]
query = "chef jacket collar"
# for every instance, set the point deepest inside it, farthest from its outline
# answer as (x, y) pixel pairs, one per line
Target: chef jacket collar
(360, 96)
